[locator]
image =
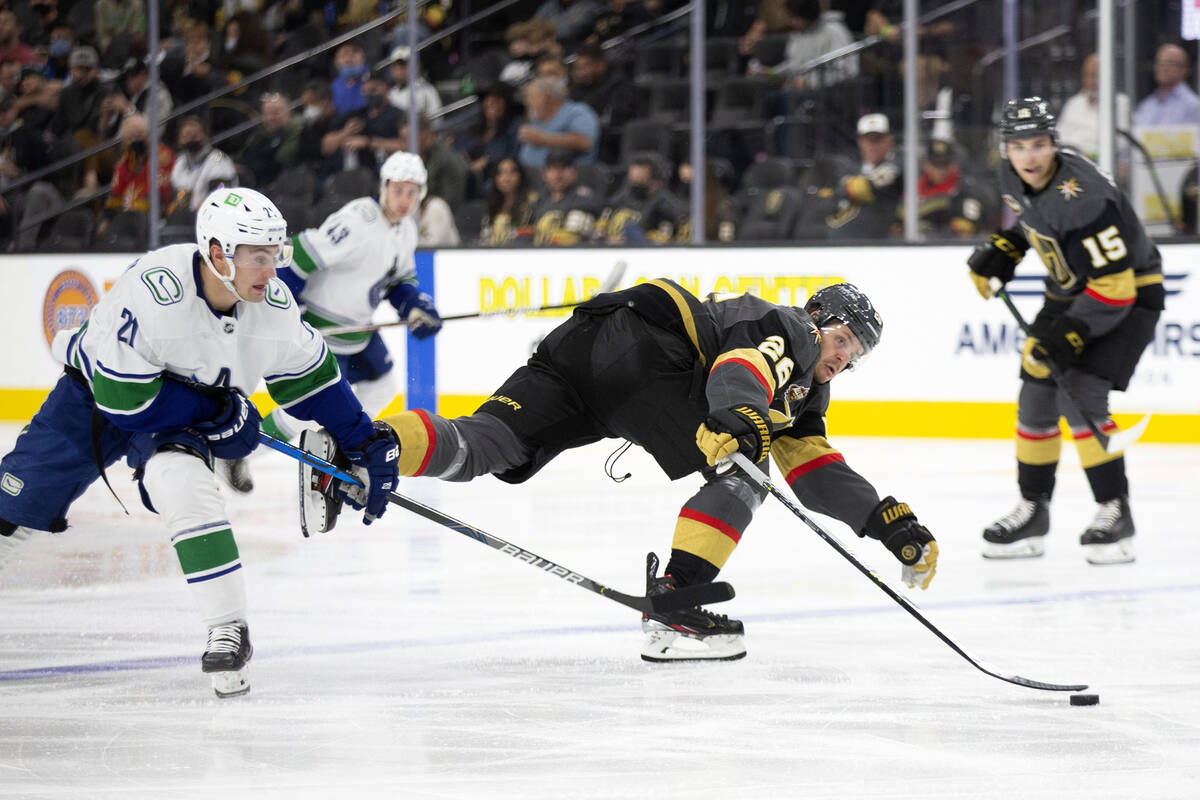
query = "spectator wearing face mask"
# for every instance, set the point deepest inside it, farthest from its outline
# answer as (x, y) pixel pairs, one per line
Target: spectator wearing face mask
(58, 50)
(319, 120)
(130, 189)
(365, 137)
(644, 210)
(428, 100)
(347, 85)
(199, 167)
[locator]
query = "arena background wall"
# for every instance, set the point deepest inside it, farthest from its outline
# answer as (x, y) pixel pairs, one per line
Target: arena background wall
(947, 366)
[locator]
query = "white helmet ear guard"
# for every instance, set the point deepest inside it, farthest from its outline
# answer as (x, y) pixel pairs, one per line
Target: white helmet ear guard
(234, 216)
(402, 166)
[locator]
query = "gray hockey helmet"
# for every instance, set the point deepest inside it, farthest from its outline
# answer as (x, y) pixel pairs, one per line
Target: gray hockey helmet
(845, 302)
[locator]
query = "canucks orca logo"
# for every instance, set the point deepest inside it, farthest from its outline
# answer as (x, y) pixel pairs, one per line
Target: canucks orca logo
(277, 294)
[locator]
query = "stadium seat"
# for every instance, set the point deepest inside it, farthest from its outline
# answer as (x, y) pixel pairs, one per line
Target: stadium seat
(768, 215)
(127, 232)
(353, 183)
(645, 134)
(769, 173)
(72, 232)
(468, 218)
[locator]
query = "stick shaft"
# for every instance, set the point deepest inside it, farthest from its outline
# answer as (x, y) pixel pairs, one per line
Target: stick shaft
(756, 475)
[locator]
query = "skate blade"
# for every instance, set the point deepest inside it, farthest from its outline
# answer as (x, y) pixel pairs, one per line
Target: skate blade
(1030, 547)
(234, 683)
(1120, 552)
(663, 646)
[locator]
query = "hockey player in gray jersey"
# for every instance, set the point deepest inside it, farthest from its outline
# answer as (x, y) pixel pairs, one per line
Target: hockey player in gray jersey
(361, 255)
(689, 381)
(1104, 294)
(160, 374)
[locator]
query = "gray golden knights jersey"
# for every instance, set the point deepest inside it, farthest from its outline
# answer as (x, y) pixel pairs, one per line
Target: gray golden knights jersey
(154, 321)
(1084, 230)
(350, 262)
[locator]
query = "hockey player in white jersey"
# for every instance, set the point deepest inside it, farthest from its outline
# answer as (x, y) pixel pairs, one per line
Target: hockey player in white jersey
(361, 255)
(160, 374)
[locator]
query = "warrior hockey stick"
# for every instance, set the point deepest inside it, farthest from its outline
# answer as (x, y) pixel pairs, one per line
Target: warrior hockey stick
(610, 283)
(757, 475)
(685, 597)
(1115, 443)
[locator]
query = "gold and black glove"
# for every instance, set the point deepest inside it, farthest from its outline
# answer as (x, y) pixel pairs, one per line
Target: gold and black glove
(912, 544)
(731, 430)
(996, 258)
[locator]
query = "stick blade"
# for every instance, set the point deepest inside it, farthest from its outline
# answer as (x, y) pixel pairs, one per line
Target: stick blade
(1120, 440)
(689, 596)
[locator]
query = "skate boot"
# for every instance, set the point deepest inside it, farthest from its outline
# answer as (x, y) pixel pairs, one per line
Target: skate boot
(1020, 533)
(226, 656)
(320, 499)
(690, 634)
(236, 473)
(1109, 539)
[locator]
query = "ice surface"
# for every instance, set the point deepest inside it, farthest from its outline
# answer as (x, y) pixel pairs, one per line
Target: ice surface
(406, 660)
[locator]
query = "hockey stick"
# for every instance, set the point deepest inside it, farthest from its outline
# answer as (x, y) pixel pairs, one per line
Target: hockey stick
(760, 478)
(685, 597)
(1114, 443)
(610, 283)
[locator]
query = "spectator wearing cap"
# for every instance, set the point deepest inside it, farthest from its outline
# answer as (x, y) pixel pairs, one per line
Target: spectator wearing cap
(447, 170)
(275, 143)
(860, 201)
(131, 184)
(347, 86)
(428, 100)
(556, 123)
(199, 167)
(11, 46)
(119, 18)
(595, 84)
(494, 135)
(816, 33)
(565, 212)
(952, 204)
(644, 210)
(78, 114)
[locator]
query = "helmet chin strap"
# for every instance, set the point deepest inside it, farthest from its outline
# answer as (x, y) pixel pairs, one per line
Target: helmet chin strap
(226, 282)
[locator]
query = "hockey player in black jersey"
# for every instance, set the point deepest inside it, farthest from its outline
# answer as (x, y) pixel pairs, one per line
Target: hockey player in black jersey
(1104, 294)
(690, 381)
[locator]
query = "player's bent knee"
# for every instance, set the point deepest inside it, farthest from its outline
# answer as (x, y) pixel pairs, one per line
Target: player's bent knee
(183, 490)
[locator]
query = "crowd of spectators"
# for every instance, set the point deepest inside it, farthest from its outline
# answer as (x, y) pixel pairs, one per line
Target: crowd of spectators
(565, 139)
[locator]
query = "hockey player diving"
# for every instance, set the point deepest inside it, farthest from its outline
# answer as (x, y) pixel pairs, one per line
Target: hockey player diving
(361, 255)
(691, 382)
(160, 374)
(1104, 294)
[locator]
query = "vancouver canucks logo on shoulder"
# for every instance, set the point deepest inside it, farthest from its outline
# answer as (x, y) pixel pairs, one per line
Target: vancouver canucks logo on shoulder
(1070, 188)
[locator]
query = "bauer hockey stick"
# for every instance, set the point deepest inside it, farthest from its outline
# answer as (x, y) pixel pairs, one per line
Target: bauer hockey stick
(610, 283)
(760, 478)
(1113, 443)
(684, 597)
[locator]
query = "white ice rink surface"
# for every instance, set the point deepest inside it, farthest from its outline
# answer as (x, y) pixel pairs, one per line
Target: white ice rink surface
(407, 660)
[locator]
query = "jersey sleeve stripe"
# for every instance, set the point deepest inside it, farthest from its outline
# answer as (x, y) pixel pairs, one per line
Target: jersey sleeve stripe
(288, 390)
(1108, 301)
(754, 362)
(127, 376)
(301, 257)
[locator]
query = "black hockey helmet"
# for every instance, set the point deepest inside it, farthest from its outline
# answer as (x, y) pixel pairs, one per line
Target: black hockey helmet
(845, 302)
(1029, 116)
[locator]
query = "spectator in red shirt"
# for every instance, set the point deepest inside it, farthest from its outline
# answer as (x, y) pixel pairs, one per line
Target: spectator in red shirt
(11, 45)
(131, 183)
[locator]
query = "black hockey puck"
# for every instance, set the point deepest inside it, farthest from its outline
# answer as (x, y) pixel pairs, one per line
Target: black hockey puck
(1085, 699)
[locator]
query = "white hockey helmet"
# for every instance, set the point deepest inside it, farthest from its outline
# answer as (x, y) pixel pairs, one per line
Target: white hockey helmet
(401, 166)
(236, 216)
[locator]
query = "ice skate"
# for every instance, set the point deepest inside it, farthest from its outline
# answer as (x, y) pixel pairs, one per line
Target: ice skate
(320, 500)
(690, 634)
(13, 537)
(236, 473)
(1020, 533)
(1109, 539)
(226, 656)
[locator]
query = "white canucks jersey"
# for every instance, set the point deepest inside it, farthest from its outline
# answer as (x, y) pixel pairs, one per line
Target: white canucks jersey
(350, 262)
(154, 321)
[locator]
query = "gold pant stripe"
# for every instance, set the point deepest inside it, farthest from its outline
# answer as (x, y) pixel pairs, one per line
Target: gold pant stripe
(1039, 449)
(703, 541)
(417, 441)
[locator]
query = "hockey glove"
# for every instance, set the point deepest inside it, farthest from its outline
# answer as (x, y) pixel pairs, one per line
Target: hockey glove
(417, 309)
(1063, 343)
(996, 258)
(911, 543)
(233, 432)
(378, 457)
(1032, 365)
(732, 430)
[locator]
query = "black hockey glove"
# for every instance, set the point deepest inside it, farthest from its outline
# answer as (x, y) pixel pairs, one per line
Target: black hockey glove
(379, 457)
(996, 258)
(911, 543)
(233, 432)
(732, 430)
(1063, 343)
